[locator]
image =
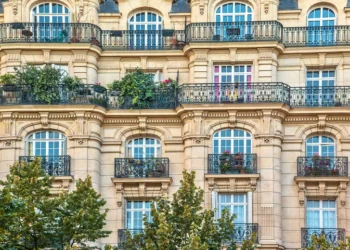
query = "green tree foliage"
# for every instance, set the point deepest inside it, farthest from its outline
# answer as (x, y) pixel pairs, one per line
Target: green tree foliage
(321, 243)
(183, 224)
(30, 218)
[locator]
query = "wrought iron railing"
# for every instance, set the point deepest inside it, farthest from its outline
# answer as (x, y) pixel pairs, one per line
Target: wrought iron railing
(122, 235)
(333, 235)
(141, 167)
(24, 94)
(162, 98)
(320, 96)
(244, 231)
(234, 31)
(232, 163)
(143, 39)
(233, 93)
(50, 33)
(316, 36)
(54, 165)
(322, 166)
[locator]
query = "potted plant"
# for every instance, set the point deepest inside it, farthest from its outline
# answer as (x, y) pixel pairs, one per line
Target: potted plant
(338, 104)
(238, 156)
(8, 82)
(236, 169)
(224, 167)
(98, 88)
(149, 173)
(316, 158)
(226, 155)
(308, 171)
(335, 172)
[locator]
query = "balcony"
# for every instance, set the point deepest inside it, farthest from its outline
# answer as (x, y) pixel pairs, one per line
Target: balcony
(55, 165)
(143, 39)
(163, 98)
(234, 31)
(333, 235)
(50, 33)
(141, 167)
(233, 93)
(322, 166)
(316, 36)
(122, 235)
(24, 94)
(244, 231)
(232, 164)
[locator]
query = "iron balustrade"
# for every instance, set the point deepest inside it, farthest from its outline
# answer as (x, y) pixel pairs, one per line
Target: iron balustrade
(322, 166)
(162, 98)
(122, 233)
(316, 36)
(232, 164)
(24, 94)
(244, 231)
(143, 39)
(234, 31)
(320, 96)
(50, 33)
(141, 167)
(233, 93)
(54, 165)
(333, 235)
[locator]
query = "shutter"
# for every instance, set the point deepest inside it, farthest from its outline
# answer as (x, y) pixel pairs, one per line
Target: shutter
(250, 206)
(214, 203)
(125, 213)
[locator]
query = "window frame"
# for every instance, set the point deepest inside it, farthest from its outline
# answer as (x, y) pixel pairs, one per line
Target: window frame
(30, 150)
(232, 138)
(65, 16)
(319, 144)
(157, 146)
(321, 209)
(320, 19)
(233, 14)
(133, 210)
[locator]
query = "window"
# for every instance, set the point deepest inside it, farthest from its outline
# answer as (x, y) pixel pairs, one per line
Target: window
(321, 214)
(234, 140)
(237, 204)
(322, 145)
(144, 148)
(234, 22)
(320, 88)
(46, 143)
(320, 24)
(233, 83)
(145, 30)
(135, 210)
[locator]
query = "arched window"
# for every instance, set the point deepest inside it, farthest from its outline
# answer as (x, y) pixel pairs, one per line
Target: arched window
(233, 12)
(144, 148)
(233, 22)
(320, 24)
(50, 13)
(145, 30)
(321, 145)
(233, 140)
(46, 143)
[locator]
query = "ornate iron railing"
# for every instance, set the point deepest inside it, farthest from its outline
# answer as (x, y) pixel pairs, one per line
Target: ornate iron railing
(244, 231)
(320, 96)
(143, 39)
(322, 166)
(333, 235)
(234, 31)
(24, 94)
(50, 33)
(122, 235)
(54, 165)
(163, 98)
(232, 164)
(141, 167)
(316, 36)
(233, 93)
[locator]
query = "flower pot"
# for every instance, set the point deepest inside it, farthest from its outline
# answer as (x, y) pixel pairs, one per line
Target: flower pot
(10, 88)
(74, 40)
(94, 41)
(99, 89)
(242, 171)
(225, 157)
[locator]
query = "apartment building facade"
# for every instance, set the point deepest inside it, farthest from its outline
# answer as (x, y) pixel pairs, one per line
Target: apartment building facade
(263, 88)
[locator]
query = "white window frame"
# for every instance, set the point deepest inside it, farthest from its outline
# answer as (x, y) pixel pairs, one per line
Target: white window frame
(132, 210)
(321, 209)
(31, 139)
(248, 204)
(321, 78)
(319, 144)
(245, 73)
(321, 18)
(319, 91)
(130, 147)
(35, 13)
(233, 138)
(233, 14)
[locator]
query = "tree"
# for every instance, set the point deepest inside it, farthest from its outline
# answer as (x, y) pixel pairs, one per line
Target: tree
(184, 224)
(321, 243)
(31, 219)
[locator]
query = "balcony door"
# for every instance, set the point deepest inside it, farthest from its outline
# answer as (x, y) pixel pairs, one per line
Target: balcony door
(135, 210)
(145, 31)
(320, 28)
(144, 148)
(232, 83)
(233, 22)
(233, 140)
(50, 22)
(320, 88)
(323, 146)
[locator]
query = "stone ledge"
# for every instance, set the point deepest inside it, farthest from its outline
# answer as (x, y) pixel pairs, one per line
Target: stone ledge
(60, 184)
(232, 182)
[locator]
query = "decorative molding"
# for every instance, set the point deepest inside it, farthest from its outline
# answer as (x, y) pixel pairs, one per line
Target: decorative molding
(217, 114)
(232, 182)
(163, 120)
(44, 119)
(142, 123)
(301, 119)
(121, 121)
(325, 187)
(321, 122)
